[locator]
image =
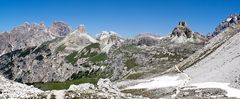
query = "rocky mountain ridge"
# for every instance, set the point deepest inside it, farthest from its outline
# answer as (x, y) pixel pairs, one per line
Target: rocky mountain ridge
(29, 35)
(78, 54)
(228, 22)
(135, 65)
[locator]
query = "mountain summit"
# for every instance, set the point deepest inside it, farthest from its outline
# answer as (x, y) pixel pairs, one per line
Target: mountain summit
(81, 28)
(182, 33)
(182, 30)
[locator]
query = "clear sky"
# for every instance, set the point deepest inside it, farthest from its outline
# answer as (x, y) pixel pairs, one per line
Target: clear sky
(127, 17)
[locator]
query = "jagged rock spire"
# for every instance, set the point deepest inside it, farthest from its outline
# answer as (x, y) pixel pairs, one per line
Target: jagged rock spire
(182, 33)
(81, 28)
(182, 30)
(182, 23)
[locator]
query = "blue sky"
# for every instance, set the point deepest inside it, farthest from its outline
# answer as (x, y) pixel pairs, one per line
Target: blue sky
(127, 17)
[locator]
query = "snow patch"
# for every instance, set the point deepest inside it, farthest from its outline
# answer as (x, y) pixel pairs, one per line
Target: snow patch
(158, 82)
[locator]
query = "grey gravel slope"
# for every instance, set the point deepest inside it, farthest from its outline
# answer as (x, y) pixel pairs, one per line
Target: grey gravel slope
(220, 66)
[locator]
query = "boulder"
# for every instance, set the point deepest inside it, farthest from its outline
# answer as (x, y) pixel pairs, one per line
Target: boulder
(106, 86)
(81, 87)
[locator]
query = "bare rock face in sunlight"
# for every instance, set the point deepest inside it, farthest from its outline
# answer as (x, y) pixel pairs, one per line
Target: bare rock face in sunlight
(15, 90)
(60, 29)
(182, 34)
(5, 44)
(109, 38)
(29, 35)
(230, 21)
(147, 39)
(182, 30)
(81, 29)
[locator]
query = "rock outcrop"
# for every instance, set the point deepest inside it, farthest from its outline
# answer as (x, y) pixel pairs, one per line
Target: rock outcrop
(215, 68)
(82, 87)
(29, 35)
(14, 90)
(182, 33)
(147, 39)
(75, 41)
(60, 29)
(182, 30)
(229, 22)
(106, 86)
(108, 39)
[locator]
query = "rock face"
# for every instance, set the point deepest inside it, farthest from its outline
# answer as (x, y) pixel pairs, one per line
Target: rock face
(182, 30)
(60, 29)
(29, 35)
(106, 86)
(76, 40)
(107, 39)
(213, 44)
(81, 29)
(147, 39)
(5, 44)
(230, 21)
(182, 33)
(82, 87)
(14, 90)
(217, 68)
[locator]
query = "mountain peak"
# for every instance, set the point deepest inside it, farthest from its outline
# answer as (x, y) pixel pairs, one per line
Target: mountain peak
(182, 24)
(182, 33)
(182, 30)
(81, 28)
(60, 28)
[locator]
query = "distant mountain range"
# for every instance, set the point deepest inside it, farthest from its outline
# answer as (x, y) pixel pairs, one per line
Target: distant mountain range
(53, 56)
